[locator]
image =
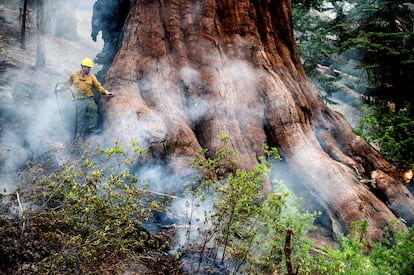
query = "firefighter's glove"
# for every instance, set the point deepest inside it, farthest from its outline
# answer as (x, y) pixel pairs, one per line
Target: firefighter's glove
(61, 88)
(108, 93)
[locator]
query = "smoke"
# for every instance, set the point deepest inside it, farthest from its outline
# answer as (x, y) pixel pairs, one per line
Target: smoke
(33, 120)
(236, 83)
(165, 180)
(348, 101)
(192, 213)
(282, 171)
(197, 107)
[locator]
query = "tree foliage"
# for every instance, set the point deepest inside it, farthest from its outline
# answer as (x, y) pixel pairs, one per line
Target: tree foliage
(379, 36)
(392, 132)
(314, 39)
(383, 32)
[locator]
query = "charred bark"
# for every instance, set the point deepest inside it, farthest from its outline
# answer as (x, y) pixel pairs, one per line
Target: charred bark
(188, 71)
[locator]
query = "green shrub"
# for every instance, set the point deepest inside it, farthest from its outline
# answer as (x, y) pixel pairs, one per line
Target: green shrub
(90, 212)
(243, 231)
(393, 255)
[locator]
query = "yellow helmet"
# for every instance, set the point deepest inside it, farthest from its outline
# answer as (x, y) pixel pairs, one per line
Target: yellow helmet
(87, 62)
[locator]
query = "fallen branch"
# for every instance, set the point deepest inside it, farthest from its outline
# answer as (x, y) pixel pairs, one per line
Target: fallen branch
(20, 205)
(20, 211)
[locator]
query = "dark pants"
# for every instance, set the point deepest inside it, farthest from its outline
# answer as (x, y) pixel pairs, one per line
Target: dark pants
(86, 116)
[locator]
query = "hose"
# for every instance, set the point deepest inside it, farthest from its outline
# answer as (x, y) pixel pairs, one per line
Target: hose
(60, 109)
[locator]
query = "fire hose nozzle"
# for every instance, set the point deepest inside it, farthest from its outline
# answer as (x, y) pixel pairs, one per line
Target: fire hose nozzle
(109, 94)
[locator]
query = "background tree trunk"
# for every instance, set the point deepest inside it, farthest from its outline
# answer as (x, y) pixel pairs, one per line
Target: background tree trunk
(189, 71)
(23, 14)
(40, 33)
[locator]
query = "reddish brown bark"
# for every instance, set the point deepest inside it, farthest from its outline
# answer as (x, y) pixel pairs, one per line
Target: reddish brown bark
(189, 71)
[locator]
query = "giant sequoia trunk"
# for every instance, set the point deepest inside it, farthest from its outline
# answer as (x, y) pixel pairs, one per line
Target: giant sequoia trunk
(189, 71)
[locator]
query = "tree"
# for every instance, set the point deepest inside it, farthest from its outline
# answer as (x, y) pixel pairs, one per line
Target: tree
(379, 36)
(313, 33)
(41, 26)
(383, 32)
(23, 31)
(52, 13)
(188, 72)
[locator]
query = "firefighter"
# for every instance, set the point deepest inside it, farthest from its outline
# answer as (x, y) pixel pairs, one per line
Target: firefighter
(83, 82)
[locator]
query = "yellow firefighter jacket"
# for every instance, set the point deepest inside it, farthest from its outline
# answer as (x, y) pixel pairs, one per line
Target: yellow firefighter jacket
(83, 85)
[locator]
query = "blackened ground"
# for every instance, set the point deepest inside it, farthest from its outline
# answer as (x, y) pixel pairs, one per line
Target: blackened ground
(24, 244)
